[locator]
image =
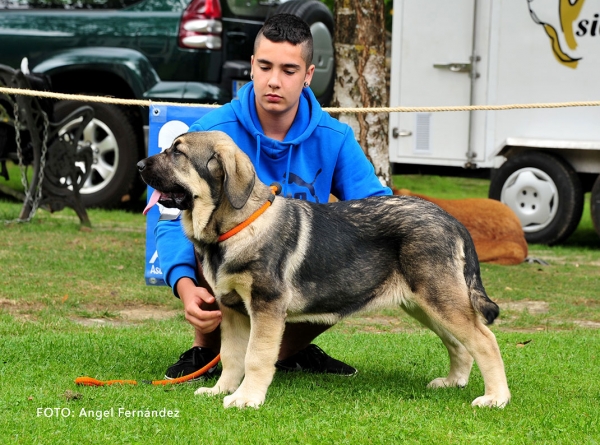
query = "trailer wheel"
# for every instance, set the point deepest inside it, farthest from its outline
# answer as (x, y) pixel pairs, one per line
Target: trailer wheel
(320, 20)
(595, 205)
(545, 193)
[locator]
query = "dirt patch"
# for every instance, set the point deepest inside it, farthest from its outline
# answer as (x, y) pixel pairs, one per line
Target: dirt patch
(129, 316)
(533, 307)
(147, 313)
(96, 322)
(587, 324)
(380, 323)
(98, 315)
(6, 302)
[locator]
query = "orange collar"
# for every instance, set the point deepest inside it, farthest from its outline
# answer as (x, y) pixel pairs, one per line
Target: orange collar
(275, 190)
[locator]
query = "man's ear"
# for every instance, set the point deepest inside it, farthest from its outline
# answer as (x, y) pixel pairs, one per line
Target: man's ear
(309, 74)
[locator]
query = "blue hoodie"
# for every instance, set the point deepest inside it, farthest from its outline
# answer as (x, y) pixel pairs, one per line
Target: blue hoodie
(318, 156)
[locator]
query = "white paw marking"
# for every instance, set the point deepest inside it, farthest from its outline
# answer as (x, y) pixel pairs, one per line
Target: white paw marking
(208, 391)
(491, 401)
(242, 401)
(444, 382)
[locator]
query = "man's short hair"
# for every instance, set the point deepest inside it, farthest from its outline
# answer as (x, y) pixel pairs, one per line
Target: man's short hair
(288, 28)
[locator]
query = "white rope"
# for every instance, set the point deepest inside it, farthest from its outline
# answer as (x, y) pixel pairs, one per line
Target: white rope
(147, 103)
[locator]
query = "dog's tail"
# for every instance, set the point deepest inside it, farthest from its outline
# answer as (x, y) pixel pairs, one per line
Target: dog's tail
(480, 301)
(479, 298)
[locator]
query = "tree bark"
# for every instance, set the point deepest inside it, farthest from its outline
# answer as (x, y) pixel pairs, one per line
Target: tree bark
(361, 76)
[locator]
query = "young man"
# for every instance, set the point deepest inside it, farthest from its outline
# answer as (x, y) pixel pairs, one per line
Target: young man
(279, 124)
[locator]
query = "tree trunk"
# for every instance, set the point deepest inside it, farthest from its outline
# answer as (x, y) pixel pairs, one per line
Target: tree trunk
(361, 76)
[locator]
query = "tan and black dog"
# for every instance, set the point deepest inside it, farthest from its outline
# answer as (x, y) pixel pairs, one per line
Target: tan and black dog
(299, 261)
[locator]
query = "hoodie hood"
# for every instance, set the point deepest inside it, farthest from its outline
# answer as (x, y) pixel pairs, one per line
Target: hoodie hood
(318, 156)
(306, 121)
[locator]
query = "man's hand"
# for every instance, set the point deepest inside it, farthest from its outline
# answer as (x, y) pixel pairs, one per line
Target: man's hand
(200, 307)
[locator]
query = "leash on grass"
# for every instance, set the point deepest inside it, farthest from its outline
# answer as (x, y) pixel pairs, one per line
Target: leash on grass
(89, 381)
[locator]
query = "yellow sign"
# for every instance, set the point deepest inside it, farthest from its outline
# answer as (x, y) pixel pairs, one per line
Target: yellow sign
(558, 25)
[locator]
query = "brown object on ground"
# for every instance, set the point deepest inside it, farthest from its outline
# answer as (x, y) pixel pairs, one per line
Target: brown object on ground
(494, 227)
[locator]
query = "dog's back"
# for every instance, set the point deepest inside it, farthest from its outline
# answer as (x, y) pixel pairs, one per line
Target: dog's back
(374, 252)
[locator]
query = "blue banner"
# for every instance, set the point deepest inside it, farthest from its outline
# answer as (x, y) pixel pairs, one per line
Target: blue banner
(166, 123)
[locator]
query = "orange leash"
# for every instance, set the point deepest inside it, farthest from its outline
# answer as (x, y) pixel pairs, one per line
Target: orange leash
(89, 381)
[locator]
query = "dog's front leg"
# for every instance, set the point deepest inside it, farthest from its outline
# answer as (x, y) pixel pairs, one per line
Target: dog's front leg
(263, 348)
(235, 330)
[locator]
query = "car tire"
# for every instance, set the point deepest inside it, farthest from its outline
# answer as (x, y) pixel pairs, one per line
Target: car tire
(115, 146)
(320, 20)
(544, 192)
(595, 205)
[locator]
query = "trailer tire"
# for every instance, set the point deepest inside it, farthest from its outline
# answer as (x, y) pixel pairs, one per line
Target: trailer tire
(321, 22)
(545, 193)
(595, 205)
(115, 145)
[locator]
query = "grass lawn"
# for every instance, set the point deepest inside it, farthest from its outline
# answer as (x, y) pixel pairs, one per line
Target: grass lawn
(73, 302)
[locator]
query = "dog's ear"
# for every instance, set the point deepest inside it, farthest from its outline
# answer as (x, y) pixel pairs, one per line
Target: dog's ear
(239, 174)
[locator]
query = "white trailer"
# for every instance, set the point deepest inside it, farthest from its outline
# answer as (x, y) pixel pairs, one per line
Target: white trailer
(490, 52)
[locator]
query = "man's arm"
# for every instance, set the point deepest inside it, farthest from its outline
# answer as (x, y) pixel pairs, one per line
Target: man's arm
(175, 252)
(354, 176)
(178, 263)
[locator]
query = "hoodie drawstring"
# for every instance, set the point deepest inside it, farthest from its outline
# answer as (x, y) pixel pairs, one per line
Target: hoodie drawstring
(287, 172)
(257, 160)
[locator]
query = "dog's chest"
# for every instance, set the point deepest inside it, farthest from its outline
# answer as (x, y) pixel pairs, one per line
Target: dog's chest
(231, 289)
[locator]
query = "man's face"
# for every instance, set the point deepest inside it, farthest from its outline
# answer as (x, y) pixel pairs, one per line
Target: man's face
(279, 74)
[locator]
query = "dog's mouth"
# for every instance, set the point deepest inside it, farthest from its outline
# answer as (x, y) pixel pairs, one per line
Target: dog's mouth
(179, 199)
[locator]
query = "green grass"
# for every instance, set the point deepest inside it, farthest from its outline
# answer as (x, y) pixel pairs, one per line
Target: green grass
(553, 380)
(63, 291)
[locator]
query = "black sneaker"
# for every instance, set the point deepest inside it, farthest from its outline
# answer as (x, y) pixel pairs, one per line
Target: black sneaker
(191, 361)
(314, 359)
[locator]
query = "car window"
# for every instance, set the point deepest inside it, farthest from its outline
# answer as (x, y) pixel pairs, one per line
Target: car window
(66, 4)
(251, 8)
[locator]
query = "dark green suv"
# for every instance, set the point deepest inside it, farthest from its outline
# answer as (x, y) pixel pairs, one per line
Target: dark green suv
(172, 50)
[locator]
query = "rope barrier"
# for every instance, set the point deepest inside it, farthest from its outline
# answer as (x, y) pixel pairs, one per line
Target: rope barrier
(147, 103)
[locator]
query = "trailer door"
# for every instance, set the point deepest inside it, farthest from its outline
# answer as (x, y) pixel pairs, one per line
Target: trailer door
(432, 46)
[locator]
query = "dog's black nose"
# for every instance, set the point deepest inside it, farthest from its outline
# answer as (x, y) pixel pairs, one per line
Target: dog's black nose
(141, 165)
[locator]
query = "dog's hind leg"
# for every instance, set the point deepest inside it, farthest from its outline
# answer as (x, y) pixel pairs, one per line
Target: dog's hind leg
(235, 331)
(263, 348)
(483, 346)
(465, 326)
(461, 361)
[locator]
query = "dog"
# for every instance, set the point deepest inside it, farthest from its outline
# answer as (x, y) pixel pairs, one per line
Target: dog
(293, 261)
(495, 229)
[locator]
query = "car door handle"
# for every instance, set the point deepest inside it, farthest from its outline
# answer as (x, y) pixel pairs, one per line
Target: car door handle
(455, 67)
(237, 36)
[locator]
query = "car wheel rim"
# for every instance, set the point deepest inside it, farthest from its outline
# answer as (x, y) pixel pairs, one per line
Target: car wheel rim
(533, 196)
(105, 154)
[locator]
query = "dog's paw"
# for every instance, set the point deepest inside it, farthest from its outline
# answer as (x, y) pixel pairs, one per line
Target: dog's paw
(208, 391)
(239, 400)
(444, 382)
(491, 401)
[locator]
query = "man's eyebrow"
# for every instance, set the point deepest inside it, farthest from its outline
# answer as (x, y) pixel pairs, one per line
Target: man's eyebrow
(285, 65)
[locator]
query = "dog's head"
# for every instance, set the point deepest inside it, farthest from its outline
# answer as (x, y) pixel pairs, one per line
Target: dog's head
(200, 170)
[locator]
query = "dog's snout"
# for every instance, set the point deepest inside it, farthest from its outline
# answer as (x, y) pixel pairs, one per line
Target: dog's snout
(141, 165)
